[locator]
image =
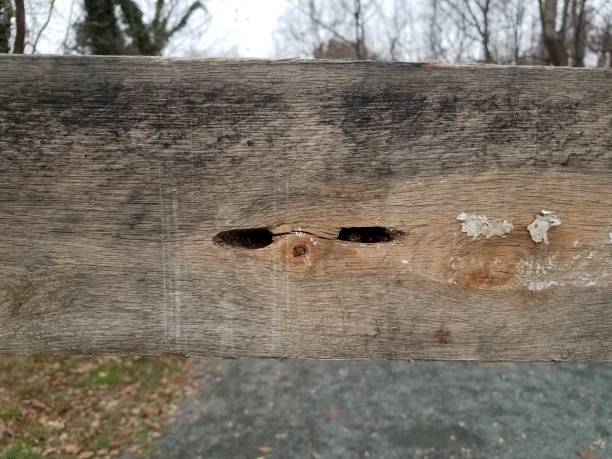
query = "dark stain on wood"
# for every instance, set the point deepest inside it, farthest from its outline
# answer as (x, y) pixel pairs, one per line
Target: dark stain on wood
(19, 295)
(442, 336)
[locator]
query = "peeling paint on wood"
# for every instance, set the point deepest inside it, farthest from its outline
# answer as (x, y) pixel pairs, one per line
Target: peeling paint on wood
(479, 225)
(538, 229)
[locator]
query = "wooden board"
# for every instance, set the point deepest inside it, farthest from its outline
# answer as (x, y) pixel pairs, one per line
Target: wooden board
(304, 209)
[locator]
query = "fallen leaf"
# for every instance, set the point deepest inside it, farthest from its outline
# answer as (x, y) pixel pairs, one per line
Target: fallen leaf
(37, 404)
(600, 443)
(151, 410)
(111, 405)
(71, 448)
(55, 425)
(86, 455)
(586, 454)
(265, 449)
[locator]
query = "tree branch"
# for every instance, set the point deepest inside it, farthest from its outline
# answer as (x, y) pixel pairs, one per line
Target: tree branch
(183, 21)
(44, 26)
(319, 23)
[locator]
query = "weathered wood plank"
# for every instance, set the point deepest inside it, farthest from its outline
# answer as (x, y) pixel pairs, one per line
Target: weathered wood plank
(123, 182)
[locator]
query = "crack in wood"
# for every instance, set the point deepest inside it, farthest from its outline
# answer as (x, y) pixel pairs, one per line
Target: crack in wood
(258, 238)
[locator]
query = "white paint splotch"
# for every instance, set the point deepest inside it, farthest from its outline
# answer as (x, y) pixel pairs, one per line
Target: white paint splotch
(543, 285)
(475, 225)
(538, 229)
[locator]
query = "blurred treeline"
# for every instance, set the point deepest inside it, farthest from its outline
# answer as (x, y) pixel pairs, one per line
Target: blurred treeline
(106, 27)
(534, 32)
(542, 32)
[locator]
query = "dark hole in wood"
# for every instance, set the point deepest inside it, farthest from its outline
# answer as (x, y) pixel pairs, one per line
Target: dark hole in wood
(369, 234)
(299, 250)
(252, 238)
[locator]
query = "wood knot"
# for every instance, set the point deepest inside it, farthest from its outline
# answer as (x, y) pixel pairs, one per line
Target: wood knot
(488, 275)
(492, 269)
(299, 250)
(302, 251)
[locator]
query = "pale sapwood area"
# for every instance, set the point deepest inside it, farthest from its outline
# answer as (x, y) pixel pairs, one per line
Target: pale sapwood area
(305, 209)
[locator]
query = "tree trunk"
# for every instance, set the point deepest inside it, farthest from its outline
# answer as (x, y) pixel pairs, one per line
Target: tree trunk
(580, 35)
(486, 35)
(553, 40)
(20, 27)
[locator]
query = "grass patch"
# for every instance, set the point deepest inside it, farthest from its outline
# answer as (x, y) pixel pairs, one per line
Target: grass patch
(78, 407)
(20, 451)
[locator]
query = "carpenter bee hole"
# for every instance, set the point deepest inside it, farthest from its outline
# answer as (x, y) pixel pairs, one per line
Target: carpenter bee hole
(369, 234)
(251, 238)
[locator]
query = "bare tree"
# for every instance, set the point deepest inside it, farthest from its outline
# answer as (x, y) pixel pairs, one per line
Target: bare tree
(564, 31)
(359, 29)
(489, 31)
(579, 28)
(473, 18)
(449, 35)
(600, 39)
(66, 47)
(554, 32)
(553, 37)
(515, 14)
(324, 30)
(436, 48)
(396, 20)
(20, 29)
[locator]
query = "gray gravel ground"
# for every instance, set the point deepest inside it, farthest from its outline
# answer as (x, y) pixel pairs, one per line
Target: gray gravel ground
(393, 409)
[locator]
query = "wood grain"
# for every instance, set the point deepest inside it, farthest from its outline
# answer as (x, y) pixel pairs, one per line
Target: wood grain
(123, 182)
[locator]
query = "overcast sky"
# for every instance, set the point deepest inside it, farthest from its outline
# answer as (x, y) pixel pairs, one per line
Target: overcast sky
(236, 28)
(244, 27)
